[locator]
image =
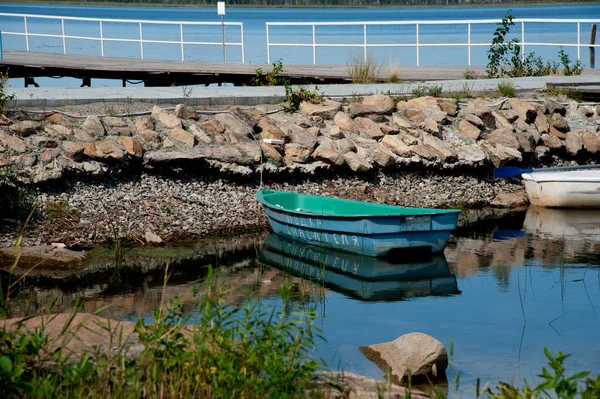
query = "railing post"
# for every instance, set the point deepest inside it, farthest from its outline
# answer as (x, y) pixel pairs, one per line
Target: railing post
(469, 44)
(0, 45)
(181, 36)
(365, 41)
(522, 41)
(268, 46)
(579, 41)
(141, 42)
(26, 34)
(64, 40)
(101, 38)
(314, 37)
(242, 34)
(418, 54)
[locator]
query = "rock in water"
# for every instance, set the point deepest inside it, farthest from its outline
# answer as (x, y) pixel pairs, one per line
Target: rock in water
(152, 238)
(416, 353)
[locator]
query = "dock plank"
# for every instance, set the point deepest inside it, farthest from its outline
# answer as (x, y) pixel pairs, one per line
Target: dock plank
(35, 64)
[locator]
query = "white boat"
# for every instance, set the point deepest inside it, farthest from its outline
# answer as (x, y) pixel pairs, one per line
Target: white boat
(563, 189)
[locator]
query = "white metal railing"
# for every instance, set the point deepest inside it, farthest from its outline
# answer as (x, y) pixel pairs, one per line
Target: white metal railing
(141, 40)
(417, 43)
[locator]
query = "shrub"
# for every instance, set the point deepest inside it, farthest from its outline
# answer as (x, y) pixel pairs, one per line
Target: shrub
(505, 58)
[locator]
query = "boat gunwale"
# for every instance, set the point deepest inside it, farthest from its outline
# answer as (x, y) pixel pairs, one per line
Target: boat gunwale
(561, 177)
(431, 211)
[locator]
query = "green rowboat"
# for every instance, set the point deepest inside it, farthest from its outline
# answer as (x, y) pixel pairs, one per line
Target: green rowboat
(355, 226)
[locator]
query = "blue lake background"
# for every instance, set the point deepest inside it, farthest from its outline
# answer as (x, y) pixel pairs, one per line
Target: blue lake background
(254, 20)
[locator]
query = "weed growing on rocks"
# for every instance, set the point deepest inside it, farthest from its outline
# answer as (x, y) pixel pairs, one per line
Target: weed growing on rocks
(294, 97)
(4, 98)
(568, 69)
(271, 78)
(506, 89)
(363, 70)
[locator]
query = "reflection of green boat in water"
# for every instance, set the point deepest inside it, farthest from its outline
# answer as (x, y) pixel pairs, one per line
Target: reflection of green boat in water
(361, 277)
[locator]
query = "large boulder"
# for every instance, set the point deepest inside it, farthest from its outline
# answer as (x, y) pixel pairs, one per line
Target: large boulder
(368, 128)
(345, 123)
(357, 162)
(116, 126)
(500, 154)
(167, 119)
(93, 127)
(327, 153)
(325, 109)
(296, 153)
(524, 109)
(269, 130)
(468, 129)
(410, 111)
(301, 136)
(12, 142)
(419, 355)
(381, 103)
(554, 106)
(559, 122)
(26, 128)
(396, 144)
(505, 137)
(182, 136)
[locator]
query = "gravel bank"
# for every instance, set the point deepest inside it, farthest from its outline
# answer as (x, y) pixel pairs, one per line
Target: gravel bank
(81, 213)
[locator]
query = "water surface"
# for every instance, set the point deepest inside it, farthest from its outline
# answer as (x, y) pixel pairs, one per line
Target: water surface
(503, 291)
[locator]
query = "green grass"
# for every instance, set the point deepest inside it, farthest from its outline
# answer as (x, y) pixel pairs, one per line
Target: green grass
(224, 352)
(506, 89)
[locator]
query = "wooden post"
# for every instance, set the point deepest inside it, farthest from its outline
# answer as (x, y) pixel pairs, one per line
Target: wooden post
(593, 49)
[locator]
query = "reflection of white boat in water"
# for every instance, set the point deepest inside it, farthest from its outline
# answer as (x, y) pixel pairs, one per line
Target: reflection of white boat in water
(361, 277)
(580, 224)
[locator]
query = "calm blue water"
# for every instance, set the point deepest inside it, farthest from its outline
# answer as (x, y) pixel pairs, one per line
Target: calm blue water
(503, 291)
(255, 36)
(512, 297)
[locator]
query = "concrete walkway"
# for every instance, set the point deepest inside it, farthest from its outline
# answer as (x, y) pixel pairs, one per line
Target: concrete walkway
(245, 95)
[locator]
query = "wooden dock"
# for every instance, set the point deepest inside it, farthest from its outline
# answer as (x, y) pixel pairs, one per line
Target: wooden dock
(30, 65)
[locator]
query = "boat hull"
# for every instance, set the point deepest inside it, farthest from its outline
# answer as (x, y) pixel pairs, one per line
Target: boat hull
(569, 189)
(376, 236)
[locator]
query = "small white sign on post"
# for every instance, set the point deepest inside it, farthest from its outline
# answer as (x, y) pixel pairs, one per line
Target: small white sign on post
(221, 8)
(221, 13)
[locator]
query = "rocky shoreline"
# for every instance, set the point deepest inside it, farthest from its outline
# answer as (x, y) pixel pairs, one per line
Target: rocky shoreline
(156, 174)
